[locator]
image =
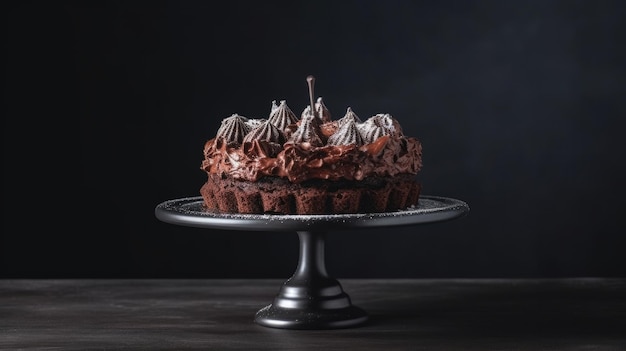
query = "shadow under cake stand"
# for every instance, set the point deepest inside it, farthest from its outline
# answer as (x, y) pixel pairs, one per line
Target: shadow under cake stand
(310, 299)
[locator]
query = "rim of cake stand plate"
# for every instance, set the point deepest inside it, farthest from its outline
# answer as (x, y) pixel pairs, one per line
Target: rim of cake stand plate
(190, 211)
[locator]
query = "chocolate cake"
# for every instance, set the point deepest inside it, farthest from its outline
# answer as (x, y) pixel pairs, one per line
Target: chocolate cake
(312, 164)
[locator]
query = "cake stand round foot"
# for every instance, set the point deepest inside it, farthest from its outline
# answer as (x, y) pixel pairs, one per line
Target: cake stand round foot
(276, 317)
(311, 299)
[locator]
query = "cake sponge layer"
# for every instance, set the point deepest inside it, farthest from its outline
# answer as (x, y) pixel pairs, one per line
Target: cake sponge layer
(279, 196)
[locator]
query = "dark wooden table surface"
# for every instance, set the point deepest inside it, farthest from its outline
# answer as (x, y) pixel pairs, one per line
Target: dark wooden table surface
(445, 314)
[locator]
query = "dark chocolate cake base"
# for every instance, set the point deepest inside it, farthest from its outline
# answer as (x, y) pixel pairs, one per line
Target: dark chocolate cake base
(279, 196)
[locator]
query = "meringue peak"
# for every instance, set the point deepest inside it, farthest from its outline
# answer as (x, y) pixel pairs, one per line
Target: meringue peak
(347, 134)
(233, 129)
(281, 115)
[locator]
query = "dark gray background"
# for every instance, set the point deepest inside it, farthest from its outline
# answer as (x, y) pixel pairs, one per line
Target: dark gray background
(519, 106)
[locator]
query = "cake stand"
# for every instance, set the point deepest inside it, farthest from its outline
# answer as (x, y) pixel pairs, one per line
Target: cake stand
(310, 299)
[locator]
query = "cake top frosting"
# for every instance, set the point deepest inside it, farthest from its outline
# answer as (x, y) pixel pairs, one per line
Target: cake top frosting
(311, 147)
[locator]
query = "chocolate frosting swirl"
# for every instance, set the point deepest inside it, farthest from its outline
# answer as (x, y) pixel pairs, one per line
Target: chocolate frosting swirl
(387, 122)
(307, 132)
(333, 150)
(347, 134)
(282, 116)
(233, 129)
(252, 123)
(266, 132)
(321, 111)
(349, 116)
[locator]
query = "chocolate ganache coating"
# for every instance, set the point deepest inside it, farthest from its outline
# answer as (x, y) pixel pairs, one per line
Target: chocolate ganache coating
(300, 150)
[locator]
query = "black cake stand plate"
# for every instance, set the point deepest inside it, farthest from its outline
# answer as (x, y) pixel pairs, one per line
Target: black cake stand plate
(310, 299)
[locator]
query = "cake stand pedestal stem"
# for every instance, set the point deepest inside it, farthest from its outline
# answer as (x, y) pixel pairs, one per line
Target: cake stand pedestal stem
(311, 299)
(312, 262)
